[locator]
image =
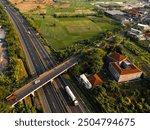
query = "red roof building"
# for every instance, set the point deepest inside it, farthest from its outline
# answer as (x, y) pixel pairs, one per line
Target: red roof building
(95, 80)
(124, 70)
(117, 57)
(134, 12)
(147, 36)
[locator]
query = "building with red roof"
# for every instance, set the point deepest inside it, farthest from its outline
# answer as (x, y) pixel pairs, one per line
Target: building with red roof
(116, 57)
(147, 36)
(135, 12)
(95, 80)
(122, 70)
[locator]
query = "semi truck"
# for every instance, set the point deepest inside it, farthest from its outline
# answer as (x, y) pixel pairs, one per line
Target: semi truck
(72, 96)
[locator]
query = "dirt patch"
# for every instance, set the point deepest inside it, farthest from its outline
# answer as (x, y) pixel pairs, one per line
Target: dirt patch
(32, 1)
(29, 6)
(25, 6)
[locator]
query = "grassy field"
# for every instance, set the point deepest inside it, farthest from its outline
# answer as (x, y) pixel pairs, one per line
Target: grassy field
(62, 32)
(22, 74)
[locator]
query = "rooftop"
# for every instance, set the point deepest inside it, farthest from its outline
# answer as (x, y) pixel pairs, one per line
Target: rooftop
(147, 34)
(117, 57)
(130, 69)
(142, 25)
(85, 80)
(135, 12)
(115, 12)
(95, 80)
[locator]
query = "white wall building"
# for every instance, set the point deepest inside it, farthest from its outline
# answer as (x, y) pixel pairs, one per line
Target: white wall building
(83, 79)
(143, 26)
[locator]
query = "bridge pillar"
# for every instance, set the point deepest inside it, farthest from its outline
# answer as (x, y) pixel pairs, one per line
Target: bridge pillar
(12, 106)
(33, 94)
(52, 80)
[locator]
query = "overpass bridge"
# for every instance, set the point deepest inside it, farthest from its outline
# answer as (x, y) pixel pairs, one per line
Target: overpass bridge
(40, 81)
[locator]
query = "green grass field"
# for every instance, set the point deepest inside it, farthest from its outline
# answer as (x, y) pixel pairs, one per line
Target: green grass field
(62, 32)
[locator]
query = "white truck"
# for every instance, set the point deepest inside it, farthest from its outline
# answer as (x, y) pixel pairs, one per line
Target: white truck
(73, 98)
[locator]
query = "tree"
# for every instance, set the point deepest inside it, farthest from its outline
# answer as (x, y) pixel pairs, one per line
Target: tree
(76, 70)
(92, 60)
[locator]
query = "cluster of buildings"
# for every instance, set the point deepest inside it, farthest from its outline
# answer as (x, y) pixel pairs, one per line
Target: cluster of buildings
(120, 68)
(137, 17)
(141, 35)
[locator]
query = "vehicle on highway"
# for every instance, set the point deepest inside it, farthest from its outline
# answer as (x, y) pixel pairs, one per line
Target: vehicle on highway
(11, 97)
(72, 96)
(36, 81)
(29, 32)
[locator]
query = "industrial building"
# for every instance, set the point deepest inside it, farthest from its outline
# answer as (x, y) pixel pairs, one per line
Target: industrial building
(116, 14)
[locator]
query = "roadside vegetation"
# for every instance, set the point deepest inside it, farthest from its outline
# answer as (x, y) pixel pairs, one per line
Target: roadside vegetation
(14, 73)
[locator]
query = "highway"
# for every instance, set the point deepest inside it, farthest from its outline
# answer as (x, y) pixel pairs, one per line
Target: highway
(29, 49)
(42, 62)
(44, 78)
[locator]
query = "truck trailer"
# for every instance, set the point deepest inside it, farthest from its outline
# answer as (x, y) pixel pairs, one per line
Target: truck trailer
(72, 96)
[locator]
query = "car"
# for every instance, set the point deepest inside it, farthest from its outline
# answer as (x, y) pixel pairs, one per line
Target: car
(29, 32)
(36, 81)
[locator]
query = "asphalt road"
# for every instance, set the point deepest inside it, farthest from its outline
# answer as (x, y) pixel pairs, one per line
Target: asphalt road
(43, 62)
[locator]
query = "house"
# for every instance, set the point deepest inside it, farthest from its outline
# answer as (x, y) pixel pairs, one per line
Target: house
(135, 13)
(116, 14)
(143, 26)
(136, 33)
(95, 80)
(122, 70)
(147, 36)
(83, 80)
(116, 57)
